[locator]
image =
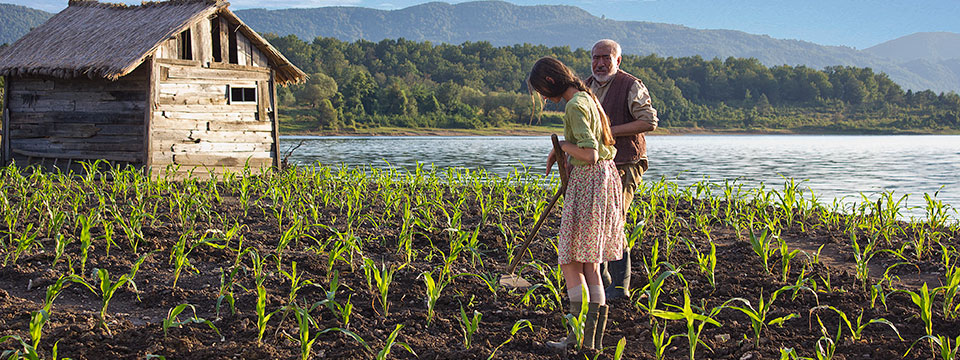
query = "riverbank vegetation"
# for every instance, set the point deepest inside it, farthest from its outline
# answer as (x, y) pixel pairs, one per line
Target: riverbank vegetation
(337, 262)
(409, 84)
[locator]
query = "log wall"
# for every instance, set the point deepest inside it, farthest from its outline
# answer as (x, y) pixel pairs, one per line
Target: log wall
(57, 122)
(196, 126)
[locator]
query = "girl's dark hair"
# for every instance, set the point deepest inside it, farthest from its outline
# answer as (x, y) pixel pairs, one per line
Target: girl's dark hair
(551, 78)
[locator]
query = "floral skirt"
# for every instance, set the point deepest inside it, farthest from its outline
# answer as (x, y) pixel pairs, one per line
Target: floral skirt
(591, 226)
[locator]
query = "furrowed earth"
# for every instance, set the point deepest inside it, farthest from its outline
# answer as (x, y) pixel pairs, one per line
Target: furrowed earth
(501, 212)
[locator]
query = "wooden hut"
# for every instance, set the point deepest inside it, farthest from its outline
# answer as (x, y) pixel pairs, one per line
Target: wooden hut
(180, 82)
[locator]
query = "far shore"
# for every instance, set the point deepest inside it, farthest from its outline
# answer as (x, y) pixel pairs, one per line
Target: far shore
(518, 130)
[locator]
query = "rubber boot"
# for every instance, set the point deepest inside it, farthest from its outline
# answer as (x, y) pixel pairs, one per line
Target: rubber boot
(601, 327)
(590, 325)
(570, 339)
(619, 270)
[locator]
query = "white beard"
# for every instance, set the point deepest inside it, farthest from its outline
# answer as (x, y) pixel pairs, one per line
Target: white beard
(604, 77)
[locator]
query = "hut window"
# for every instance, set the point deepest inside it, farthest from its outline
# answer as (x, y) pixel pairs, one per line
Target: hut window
(186, 48)
(215, 36)
(233, 46)
(243, 94)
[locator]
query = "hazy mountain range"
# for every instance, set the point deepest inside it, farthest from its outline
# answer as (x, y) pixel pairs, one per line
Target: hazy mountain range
(919, 61)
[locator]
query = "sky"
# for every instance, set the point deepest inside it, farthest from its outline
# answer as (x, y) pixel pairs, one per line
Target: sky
(855, 23)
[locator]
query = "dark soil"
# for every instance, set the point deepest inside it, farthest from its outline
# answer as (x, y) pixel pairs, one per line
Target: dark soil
(134, 319)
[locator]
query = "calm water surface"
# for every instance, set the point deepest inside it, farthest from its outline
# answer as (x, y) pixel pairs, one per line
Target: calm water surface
(832, 166)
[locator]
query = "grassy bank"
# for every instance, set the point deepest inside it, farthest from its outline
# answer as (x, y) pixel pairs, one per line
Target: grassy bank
(351, 263)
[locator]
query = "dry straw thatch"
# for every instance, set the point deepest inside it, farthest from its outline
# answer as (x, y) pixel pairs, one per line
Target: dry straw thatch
(102, 40)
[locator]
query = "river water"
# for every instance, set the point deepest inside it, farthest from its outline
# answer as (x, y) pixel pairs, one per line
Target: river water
(832, 166)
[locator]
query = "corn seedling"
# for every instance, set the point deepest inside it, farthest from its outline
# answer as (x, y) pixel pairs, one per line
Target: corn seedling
(391, 342)
(661, 340)
(296, 282)
(517, 326)
(227, 282)
(707, 262)
(695, 321)
(856, 329)
(947, 351)
(762, 246)
(378, 281)
(923, 299)
(786, 255)
(758, 316)
(172, 319)
(469, 325)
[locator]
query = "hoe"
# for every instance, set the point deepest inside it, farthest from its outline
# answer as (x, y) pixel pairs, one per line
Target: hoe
(511, 280)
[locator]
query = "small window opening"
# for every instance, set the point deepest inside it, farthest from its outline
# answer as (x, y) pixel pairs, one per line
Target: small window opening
(233, 46)
(186, 48)
(243, 95)
(215, 36)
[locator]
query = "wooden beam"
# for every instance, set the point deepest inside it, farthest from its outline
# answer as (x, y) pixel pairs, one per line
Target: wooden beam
(224, 41)
(181, 62)
(5, 140)
(273, 118)
(153, 67)
(204, 43)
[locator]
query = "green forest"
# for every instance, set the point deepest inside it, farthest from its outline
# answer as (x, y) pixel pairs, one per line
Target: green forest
(401, 83)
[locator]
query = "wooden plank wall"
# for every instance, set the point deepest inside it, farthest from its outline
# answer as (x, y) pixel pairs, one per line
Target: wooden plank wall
(194, 125)
(77, 118)
(202, 41)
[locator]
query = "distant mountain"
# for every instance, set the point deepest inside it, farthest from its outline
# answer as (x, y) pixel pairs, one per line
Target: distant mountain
(930, 46)
(931, 64)
(16, 21)
(503, 23)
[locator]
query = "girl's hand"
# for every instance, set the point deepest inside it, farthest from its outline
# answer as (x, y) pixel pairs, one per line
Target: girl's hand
(552, 158)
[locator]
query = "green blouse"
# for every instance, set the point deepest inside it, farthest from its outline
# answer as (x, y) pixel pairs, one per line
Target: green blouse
(582, 126)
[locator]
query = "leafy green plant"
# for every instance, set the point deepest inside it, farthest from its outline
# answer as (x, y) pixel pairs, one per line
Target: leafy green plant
(758, 316)
(391, 342)
(378, 281)
(856, 329)
(762, 246)
(923, 299)
(947, 351)
(469, 325)
(517, 326)
(695, 321)
(172, 319)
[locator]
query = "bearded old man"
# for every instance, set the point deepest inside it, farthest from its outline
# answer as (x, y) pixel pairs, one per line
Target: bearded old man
(627, 103)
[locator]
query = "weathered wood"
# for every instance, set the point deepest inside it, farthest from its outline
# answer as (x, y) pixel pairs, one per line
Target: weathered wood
(243, 50)
(249, 117)
(224, 159)
(179, 62)
(224, 41)
(5, 123)
(273, 119)
(202, 43)
(231, 125)
(197, 136)
(148, 113)
(205, 147)
(56, 117)
(213, 109)
(259, 59)
(191, 100)
(64, 144)
(76, 130)
(229, 66)
(263, 100)
(180, 72)
(109, 156)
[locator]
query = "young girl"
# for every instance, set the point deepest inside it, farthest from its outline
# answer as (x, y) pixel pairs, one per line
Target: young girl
(591, 226)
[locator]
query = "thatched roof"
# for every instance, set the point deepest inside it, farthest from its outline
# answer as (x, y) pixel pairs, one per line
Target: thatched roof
(101, 40)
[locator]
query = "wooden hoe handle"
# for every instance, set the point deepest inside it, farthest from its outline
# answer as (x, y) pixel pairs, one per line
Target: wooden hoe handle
(562, 164)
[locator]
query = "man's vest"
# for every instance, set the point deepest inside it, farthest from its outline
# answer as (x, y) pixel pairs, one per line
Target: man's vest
(631, 148)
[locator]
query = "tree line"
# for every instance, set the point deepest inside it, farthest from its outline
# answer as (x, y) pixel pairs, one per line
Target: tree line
(420, 84)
